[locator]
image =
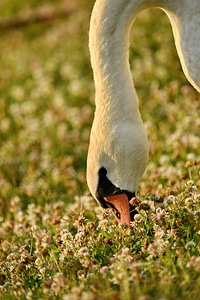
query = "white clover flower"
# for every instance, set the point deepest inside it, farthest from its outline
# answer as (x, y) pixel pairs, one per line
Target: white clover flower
(19, 229)
(103, 225)
(79, 236)
(20, 216)
(5, 245)
(29, 295)
(86, 202)
(83, 251)
(190, 244)
(157, 247)
(15, 204)
(138, 218)
(79, 222)
(171, 199)
(104, 270)
(39, 262)
(125, 251)
(17, 92)
(87, 295)
(84, 257)
(194, 262)
(164, 160)
(190, 182)
(123, 255)
(191, 156)
(159, 233)
(5, 125)
(58, 283)
(65, 235)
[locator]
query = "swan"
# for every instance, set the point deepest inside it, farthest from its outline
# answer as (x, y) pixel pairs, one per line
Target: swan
(118, 147)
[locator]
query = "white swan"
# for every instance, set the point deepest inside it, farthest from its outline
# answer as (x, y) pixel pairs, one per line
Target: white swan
(118, 149)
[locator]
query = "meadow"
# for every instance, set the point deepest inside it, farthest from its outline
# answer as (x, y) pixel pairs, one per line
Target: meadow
(55, 241)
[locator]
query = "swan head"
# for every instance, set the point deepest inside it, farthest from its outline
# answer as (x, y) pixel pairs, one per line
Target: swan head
(117, 158)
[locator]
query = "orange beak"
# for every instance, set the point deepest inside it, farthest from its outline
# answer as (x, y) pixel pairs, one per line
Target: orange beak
(121, 209)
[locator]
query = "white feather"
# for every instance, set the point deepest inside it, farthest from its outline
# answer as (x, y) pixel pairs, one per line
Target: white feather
(118, 141)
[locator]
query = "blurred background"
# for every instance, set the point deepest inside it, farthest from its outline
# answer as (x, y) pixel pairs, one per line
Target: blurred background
(46, 98)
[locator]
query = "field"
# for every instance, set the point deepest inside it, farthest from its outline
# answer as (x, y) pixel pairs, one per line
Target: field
(55, 241)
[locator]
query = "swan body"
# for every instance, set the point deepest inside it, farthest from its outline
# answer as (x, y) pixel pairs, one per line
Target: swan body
(118, 149)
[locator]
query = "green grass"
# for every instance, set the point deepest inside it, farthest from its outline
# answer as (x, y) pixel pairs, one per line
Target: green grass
(55, 242)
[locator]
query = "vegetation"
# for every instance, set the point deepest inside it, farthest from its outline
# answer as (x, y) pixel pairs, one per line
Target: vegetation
(55, 242)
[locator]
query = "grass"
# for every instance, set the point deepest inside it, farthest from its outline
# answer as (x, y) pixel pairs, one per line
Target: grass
(55, 242)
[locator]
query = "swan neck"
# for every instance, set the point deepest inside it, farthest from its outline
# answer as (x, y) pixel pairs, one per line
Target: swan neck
(110, 26)
(109, 41)
(109, 49)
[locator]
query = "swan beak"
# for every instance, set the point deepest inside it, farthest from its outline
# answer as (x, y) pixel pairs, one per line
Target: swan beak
(121, 209)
